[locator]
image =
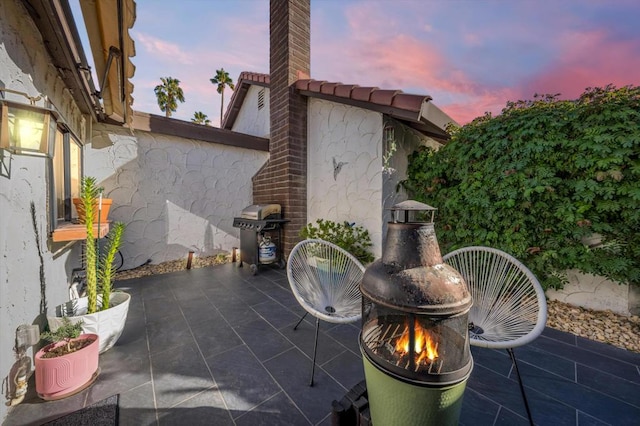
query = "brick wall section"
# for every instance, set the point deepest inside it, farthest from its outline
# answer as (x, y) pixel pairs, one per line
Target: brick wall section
(283, 180)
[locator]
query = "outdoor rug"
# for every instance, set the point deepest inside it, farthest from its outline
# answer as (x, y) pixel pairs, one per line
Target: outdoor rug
(102, 413)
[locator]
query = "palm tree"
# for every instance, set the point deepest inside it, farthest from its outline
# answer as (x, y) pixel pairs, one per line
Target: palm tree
(222, 80)
(200, 117)
(168, 94)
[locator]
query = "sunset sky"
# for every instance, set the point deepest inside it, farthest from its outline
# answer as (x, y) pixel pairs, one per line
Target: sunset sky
(471, 56)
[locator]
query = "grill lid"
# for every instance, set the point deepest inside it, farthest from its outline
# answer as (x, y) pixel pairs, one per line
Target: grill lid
(260, 211)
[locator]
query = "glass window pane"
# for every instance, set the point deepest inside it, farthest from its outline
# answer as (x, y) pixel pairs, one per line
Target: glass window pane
(75, 167)
(58, 175)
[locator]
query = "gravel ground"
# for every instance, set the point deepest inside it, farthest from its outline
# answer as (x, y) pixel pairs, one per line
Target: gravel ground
(602, 326)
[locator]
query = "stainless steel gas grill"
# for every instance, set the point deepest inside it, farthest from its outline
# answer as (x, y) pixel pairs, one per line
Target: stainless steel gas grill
(260, 235)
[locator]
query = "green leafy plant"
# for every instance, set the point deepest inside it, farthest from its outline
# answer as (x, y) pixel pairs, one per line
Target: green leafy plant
(98, 272)
(67, 332)
(540, 181)
(354, 239)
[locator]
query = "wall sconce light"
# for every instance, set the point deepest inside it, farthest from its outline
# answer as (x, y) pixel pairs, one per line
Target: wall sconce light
(25, 128)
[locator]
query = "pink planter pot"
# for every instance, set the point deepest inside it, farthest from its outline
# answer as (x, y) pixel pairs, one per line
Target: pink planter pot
(66, 375)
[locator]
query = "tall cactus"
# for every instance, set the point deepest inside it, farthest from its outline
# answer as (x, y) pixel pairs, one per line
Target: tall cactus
(105, 273)
(89, 193)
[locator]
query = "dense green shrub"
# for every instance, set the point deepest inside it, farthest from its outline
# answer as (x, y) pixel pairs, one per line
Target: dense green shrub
(354, 239)
(540, 179)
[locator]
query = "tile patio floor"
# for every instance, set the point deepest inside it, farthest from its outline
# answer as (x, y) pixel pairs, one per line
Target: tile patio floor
(215, 346)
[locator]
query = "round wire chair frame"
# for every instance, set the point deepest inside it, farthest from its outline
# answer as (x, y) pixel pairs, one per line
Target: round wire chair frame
(509, 305)
(325, 280)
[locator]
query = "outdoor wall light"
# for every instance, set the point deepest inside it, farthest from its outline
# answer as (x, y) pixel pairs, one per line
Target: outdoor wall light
(25, 128)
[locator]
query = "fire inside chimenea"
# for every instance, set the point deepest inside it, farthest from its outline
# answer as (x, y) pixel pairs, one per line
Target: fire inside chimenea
(414, 339)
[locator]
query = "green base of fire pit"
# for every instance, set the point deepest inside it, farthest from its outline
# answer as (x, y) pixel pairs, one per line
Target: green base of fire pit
(394, 402)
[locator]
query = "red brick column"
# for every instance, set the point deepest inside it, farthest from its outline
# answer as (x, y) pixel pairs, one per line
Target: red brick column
(283, 179)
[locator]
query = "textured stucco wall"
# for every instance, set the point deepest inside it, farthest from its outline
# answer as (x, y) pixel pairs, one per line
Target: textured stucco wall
(25, 66)
(362, 189)
(174, 194)
(251, 120)
(352, 136)
(596, 292)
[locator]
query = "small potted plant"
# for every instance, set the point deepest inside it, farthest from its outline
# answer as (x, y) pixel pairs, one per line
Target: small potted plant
(102, 311)
(353, 238)
(68, 364)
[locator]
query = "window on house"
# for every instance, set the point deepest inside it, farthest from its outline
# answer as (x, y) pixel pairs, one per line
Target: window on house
(66, 176)
(260, 99)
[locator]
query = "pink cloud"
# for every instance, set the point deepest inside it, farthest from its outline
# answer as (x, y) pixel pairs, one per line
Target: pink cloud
(162, 49)
(588, 60)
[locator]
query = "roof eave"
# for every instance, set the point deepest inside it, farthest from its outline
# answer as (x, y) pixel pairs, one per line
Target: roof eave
(419, 120)
(108, 23)
(54, 20)
(188, 130)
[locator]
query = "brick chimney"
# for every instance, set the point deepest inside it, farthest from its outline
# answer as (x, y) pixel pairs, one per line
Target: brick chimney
(283, 179)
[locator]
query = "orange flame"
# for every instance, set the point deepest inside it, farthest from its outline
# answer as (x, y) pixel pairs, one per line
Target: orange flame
(425, 347)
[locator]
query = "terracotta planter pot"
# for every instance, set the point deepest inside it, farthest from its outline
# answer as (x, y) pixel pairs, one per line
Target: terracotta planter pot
(106, 205)
(68, 374)
(108, 324)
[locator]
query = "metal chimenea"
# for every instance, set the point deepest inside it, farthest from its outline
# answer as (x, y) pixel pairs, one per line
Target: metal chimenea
(414, 338)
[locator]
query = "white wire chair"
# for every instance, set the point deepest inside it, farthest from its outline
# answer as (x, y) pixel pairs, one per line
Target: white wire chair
(325, 279)
(509, 305)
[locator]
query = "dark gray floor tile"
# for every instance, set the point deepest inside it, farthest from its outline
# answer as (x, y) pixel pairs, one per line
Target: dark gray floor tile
(613, 386)
(184, 293)
(582, 398)
(509, 418)
(545, 360)
(137, 407)
(178, 374)
(493, 359)
(347, 335)
(558, 335)
(242, 380)
(171, 332)
(237, 312)
(477, 410)
(205, 408)
(200, 311)
(304, 336)
(497, 388)
(587, 420)
(589, 358)
(292, 371)
(347, 369)
(215, 338)
(249, 295)
(609, 351)
(159, 309)
(277, 411)
(118, 374)
(276, 314)
(264, 340)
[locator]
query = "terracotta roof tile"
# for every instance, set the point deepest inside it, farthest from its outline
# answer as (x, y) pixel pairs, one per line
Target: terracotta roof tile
(362, 93)
(409, 102)
(404, 106)
(329, 88)
(383, 97)
(344, 90)
(315, 86)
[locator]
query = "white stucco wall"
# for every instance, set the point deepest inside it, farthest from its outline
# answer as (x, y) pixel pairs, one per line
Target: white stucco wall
(25, 66)
(174, 194)
(595, 292)
(251, 120)
(361, 190)
(352, 136)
